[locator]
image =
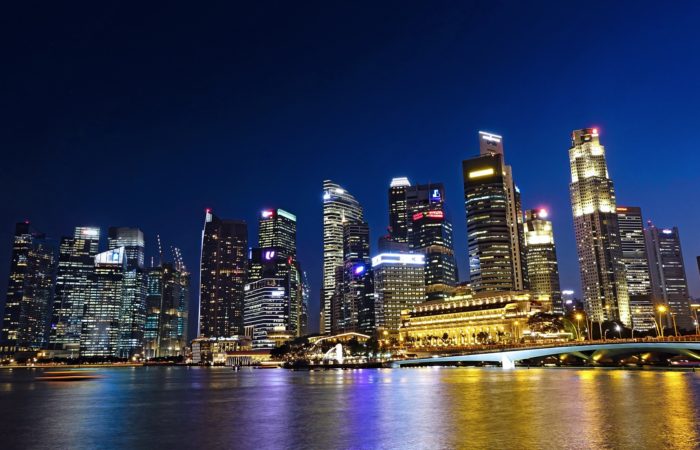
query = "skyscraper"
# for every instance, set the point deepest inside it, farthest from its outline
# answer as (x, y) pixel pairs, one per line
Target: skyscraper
(494, 220)
(223, 273)
(278, 228)
(399, 283)
(167, 310)
(132, 316)
(267, 309)
(636, 261)
(398, 217)
(351, 289)
(602, 271)
(430, 233)
(541, 258)
(668, 279)
(101, 330)
(29, 291)
(76, 263)
(339, 206)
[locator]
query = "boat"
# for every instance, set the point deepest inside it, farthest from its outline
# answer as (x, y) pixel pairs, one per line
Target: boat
(68, 375)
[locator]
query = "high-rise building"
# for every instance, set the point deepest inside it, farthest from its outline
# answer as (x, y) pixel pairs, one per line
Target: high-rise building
(636, 261)
(29, 291)
(278, 228)
(541, 258)
(167, 310)
(339, 206)
(76, 263)
(430, 233)
(223, 273)
(266, 309)
(350, 290)
(132, 317)
(494, 220)
(398, 216)
(603, 279)
(399, 284)
(101, 330)
(668, 279)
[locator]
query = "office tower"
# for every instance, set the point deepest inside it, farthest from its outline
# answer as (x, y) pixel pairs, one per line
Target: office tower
(132, 317)
(101, 331)
(167, 301)
(266, 309)
(603, 279)
(351, 287)
(398, 217)
(636, 261)
(668, 280)
(494, 220)
(305, 297)
(430, 233)
(541, 258)
(339, 206)
(366, 315)
(223, 273)
(76, 263)
(399, 283)
(29, 291)
(278, 228)
(275, 258)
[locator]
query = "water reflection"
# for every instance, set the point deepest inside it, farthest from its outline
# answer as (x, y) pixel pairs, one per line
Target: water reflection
(403, 408)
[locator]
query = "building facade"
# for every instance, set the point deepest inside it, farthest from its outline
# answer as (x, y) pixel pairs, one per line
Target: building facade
(339, 206)
(223, 274)
(636, 261)
(603, 278)
(399, 284)
(350, 291)
(76, 264)
(494, 220)
(668, 278)
(266, 310)
(541, 258)
(29, 291)
(167, 301)
(398, 216)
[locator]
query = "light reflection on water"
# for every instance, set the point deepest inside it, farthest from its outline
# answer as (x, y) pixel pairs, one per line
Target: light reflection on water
(387, 408)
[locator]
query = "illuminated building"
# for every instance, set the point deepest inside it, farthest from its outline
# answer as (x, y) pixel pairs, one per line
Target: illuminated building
(216, 350)
(275, 258)
(398, 216)
(100, 334)
(399, 283)
(602, 271)
(266, 309)
(29, 292)
(430, 233)
(339, 206)
(468, 319)
(132, 317)
(223, 273)
(350, 291)
(494, 220)
(76, 263)
(636, 261)
(668, 278)
(541, 257)
(167, 302)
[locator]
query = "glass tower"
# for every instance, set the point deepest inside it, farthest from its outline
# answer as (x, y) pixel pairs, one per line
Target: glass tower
(398, 217)
(542, 266)
(602, 271)
(399, 283)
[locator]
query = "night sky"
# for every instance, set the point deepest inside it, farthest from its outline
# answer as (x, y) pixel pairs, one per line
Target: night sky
(142, 115)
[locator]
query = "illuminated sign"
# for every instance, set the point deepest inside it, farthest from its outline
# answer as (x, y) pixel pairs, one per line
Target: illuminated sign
(417, 216)
(269, 254)
(481, 173)
(286, 214)
(110, 257)
(267, 213)
(398, 258)
(667, 231)
(542, 213)
(435, 195)
(359, 269)
(430, 214)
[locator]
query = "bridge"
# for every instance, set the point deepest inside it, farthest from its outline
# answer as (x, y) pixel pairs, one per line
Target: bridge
(590, 351)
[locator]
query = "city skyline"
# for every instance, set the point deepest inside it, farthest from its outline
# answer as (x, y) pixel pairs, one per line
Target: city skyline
(635, 119)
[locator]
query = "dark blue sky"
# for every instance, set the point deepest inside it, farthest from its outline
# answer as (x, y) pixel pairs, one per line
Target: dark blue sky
(141, 115)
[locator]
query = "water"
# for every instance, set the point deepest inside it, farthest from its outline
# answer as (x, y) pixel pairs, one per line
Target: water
(178, 407)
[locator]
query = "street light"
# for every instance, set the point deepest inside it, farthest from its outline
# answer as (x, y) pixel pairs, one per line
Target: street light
(694, 308)
(619, 330)
(661, 309)
(578, 318)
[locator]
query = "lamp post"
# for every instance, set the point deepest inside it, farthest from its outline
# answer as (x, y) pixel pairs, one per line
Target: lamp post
(618, 328)
(694, 307)
(578, 318)
(661, 309)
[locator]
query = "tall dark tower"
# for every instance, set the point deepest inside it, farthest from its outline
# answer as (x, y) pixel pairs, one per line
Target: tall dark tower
(541, 258)
(494, 220)
(347, 301)
(223, 273)
(398, 216)
(29, 291)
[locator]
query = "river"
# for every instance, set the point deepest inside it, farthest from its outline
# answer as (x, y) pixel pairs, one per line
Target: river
(431, 408)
